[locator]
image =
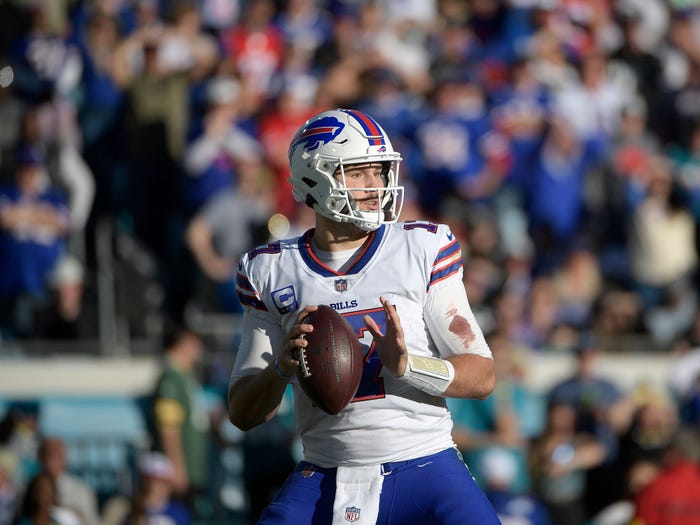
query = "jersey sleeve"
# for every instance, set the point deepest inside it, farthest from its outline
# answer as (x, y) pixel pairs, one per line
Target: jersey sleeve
(447, 313)
(261, 332)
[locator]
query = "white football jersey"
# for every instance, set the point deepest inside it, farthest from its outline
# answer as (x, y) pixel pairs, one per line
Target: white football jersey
(417, 266)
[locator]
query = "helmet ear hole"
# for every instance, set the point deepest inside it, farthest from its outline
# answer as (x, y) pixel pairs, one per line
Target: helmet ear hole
(310, 201)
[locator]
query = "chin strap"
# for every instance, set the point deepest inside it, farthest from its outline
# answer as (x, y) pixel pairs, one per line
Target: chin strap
(429, 374)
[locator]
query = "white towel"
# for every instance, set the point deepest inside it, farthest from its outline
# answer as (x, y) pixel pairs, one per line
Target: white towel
(357, 491)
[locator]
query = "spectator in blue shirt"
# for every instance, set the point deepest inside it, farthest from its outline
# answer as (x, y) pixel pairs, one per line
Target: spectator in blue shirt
(34, 221)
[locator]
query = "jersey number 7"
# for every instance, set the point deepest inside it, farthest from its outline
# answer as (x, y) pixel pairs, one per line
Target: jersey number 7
(371, 384)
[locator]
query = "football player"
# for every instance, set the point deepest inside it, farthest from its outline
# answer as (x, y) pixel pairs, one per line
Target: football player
(388, 457)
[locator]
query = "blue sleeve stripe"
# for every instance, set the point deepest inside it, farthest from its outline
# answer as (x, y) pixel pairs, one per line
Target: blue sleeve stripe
(243, 282)
(253, 302)
(447, 252)
(444, 273)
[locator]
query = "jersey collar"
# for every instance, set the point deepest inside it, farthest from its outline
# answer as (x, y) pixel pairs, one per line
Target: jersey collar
(369, 248)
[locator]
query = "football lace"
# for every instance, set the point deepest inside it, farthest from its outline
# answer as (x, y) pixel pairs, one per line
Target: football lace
(303, 363)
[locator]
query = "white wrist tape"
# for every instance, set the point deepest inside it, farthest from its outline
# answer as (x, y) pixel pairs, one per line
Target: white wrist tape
(429, 374)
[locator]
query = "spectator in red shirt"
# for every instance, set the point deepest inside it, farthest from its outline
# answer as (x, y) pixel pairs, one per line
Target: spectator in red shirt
(673, 497)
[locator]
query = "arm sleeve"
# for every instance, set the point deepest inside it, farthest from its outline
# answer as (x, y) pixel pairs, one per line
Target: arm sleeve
(262, 337)
(451, 322)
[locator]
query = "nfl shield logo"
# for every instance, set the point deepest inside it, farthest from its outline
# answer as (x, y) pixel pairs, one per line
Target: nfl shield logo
(352, 513)
(341, 285)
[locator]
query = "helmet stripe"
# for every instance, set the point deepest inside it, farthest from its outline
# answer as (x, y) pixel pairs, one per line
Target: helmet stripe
(372, 129)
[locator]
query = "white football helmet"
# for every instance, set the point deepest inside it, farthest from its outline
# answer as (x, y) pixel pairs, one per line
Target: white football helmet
(318, 154)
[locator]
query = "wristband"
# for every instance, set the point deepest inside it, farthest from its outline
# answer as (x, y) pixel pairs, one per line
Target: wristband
(279, 372)
(429, 374)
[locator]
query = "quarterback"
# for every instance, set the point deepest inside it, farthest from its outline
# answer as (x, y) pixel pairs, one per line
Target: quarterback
(388, 457)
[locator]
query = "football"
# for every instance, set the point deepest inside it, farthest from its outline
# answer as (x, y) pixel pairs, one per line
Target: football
(331, 364)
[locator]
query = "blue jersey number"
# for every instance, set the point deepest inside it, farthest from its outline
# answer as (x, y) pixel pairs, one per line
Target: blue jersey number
(371, 385)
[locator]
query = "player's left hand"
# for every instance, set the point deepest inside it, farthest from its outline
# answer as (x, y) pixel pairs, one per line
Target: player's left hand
(391, 346)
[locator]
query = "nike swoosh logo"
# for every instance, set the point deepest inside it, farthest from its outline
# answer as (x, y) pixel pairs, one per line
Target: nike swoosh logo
(421, 465)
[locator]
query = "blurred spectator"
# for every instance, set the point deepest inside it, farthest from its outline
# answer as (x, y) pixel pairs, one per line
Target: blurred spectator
(506, 421)
(593, 105)
(608, 190)
(181, 423)
(621, 512)
(653, 424)
(184, 45)
(542, 312)
(520, 110)
(498, 30)
(65, 167)
(11, 111)
(686, 160)
(684, 381)
(268, 458)
(387, 99)
(560, 457)
(153, 501)
(499, 471)
(231, 223)
(34, 221)
(402, 47)
(453, 46)
(452, 140)
(663, 254)
(617, 312)
(103, 97)
(100, 107)
(578, 282)
(556, 201)
(601, 409)
(679, 55)
(70, 312)
(672, 497)
(71, 491)
(9, 488)
(304, 24)
(637, 52)
(255, 47)
(211, 159)
(46, 66)
(19, 435)
(39, 505)
(550, 64)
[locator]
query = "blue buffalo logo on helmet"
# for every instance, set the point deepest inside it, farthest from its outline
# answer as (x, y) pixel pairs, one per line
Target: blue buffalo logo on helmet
(320, 132)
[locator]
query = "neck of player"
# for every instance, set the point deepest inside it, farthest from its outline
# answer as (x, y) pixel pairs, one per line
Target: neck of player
(331, 236)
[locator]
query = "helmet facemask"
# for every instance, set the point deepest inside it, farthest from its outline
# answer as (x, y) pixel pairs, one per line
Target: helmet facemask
(389, 196)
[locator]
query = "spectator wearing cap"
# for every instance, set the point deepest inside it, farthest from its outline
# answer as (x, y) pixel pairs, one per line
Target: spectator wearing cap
(154, 502)
(34, 221)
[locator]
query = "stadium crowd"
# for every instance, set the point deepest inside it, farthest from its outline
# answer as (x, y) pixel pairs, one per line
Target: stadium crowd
(560, 139)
